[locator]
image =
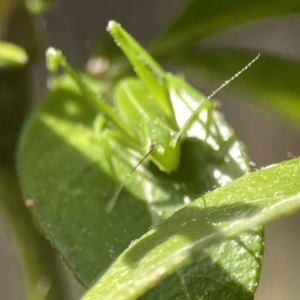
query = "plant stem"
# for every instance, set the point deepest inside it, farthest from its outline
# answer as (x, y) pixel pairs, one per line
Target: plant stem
(40, 265)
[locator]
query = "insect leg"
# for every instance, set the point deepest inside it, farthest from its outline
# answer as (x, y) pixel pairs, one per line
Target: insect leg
(55, 60)
(114, 198)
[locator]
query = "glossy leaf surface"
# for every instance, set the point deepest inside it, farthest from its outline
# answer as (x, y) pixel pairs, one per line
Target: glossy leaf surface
(254, 199)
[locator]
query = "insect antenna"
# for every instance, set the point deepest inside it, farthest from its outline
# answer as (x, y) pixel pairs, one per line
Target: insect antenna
(191, 119)
(113, 199)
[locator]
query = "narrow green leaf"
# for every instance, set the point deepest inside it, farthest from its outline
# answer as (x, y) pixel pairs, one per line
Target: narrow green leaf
(200, 19)
(254, 199)
(12, 55)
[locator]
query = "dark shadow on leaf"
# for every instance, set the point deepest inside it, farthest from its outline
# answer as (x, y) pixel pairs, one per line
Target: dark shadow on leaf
(195, 224)
(199, 283)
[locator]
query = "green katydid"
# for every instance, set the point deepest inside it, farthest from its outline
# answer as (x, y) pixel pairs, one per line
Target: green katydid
(145, 119)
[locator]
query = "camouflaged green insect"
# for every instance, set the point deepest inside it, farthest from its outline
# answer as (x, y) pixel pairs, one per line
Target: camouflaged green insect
(145, 120)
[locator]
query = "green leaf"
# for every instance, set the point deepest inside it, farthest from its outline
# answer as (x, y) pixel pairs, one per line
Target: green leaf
(200, 19)
(80, 168)
(271, 83)
(12, 55)
(73, 179)
(254, 199)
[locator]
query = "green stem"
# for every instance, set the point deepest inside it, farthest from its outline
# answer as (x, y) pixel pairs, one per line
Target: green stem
(40, 265)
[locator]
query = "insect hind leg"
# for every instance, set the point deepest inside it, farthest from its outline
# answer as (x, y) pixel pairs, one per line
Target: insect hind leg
(114, 198)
